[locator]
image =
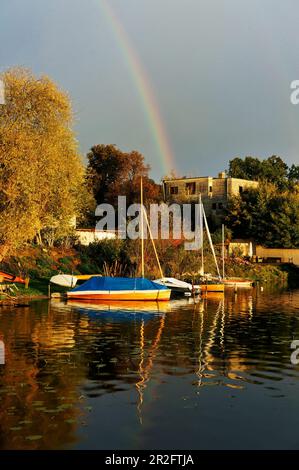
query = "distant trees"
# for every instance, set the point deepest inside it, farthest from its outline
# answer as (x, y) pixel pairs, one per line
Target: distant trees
(112, 173)
(270, 213)
(41, 174)
(269, 216)
(272, 169)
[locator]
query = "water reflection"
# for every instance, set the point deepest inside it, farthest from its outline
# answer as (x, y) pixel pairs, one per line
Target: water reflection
(73, 370)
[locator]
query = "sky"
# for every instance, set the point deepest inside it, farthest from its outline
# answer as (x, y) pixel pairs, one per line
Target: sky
(218, 71)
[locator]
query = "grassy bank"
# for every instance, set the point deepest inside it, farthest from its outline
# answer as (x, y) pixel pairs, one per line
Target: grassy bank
(263, 273)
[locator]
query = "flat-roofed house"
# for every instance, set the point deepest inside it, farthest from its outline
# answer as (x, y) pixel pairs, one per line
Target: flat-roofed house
(215, 192)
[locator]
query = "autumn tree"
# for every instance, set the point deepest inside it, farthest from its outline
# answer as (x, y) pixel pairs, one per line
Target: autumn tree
(40, 168)
(112, 173)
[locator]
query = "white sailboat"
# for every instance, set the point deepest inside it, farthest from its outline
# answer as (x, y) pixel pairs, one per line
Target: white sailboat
(208, 283)
(124, 288)
(234, 282)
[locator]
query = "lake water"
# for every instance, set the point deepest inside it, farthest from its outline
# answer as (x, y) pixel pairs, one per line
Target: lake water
(216, 374)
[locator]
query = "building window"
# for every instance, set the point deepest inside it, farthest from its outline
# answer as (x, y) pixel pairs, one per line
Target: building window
(241, 189)
(211, 189)
(174, 190)
(214, 206)
(191, 188)
(220, 205)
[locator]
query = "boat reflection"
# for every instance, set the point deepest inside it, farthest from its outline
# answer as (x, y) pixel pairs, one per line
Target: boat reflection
(117, 309)
(213, 296)
(142, 311)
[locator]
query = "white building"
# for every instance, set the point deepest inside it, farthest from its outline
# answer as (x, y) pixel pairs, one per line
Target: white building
(86, 236)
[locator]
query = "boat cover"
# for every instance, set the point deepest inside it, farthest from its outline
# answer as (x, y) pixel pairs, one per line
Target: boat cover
(118, 284)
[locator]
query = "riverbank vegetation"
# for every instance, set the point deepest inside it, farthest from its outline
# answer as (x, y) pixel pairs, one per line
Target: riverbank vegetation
(122, 258)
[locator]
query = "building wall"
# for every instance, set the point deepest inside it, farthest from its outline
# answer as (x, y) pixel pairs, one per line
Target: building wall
(215, 192)
(234, 185)
(88, 236)
(286, 255)
(244, 248)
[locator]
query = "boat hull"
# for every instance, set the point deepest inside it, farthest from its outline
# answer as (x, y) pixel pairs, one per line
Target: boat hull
(64, 280)
(237, 283)
(178, 288)
(6, 277)
(212, 287)
(86, 277)
(134, 295)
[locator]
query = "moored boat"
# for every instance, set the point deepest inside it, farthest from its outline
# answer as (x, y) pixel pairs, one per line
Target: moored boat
(120, 288)
(208, 283)
(211, 285)
(64, 280)
(6, 277)
(178, 287)
(235, 282)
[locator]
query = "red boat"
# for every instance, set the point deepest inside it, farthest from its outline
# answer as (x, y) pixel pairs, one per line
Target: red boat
(11, 278)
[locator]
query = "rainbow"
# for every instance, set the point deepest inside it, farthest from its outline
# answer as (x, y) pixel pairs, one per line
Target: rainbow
(147, 96)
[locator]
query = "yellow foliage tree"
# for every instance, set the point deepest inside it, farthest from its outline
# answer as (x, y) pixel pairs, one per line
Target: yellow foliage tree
(41, 172)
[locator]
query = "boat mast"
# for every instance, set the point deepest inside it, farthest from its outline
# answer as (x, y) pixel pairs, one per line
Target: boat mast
(201, 234)
(223, 254)
(210, 241)
(153, 243)
(142, 228)
(144, 217)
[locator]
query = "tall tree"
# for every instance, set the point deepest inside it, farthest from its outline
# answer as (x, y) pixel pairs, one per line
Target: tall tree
(40, 167)
(268, 216)
(272, 169)
(293, 175)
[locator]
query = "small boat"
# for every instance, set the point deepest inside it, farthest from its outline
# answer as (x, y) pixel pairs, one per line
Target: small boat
(234, 282)
(177, 287)
(237, 282)
(64, 280)
(6, 277)
(211, 285)
(120, 288)
(208, 283)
